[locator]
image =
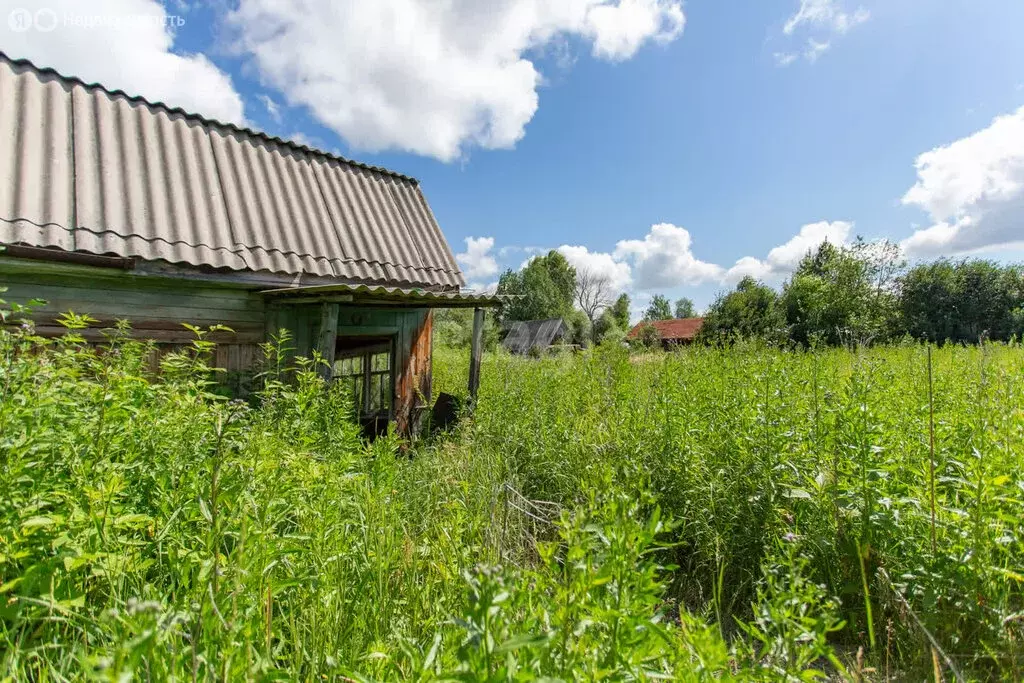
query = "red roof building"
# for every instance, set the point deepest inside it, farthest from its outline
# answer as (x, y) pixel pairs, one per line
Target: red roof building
(672, 332)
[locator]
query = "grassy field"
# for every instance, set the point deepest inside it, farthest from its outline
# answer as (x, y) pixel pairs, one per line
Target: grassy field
(743, 514)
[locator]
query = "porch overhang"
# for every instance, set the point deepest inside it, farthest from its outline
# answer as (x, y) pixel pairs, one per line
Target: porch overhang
(379, 295)
(332, 297)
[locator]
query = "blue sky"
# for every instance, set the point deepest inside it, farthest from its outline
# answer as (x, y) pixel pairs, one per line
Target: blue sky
(672, 146)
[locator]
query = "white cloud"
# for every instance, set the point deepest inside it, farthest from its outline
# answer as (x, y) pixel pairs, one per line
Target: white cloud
(783, 259)
(432, 78)
(477, 261)
(786, 257)
(973, 189)
(784, 58)
(273, 108)
(300, 138)
(126, 45)
(820, 20)
(986, 165)
(825, 14)
(618, 30)
(748, 266)
(599, 263)
(664, 259)
(482, 287)
(815, 49)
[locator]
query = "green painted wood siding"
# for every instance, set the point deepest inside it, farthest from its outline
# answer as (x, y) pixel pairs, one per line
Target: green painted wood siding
(149, 303)
(156, 308)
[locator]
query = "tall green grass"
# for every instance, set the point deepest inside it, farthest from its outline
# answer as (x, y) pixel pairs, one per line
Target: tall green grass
(772, 461)
(152, 529)
(706, 515)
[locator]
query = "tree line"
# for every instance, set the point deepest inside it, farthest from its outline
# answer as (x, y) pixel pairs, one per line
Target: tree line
(857, 293)
(864, 293)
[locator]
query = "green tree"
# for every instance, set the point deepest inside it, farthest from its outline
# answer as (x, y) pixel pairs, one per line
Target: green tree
(684, 308)
(593, 295)
(453, 328)
(751, 311)
(545, 288)
(620, 312)
(962, 301)
(647, 336)
(659, 309)
(605, 326)
(842, 294)
(579, 328)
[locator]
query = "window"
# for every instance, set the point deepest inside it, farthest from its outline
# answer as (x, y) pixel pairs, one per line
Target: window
(365, 367)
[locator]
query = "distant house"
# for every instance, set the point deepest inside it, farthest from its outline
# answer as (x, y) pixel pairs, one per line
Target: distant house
(676, 332)
(524, 335)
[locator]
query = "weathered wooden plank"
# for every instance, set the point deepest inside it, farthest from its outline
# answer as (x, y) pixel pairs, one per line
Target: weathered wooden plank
(271, 323)
(475, 351)
(327, 338)
(283, 319)
(182, 336)
(50, 318)
(174, 315)
(303, 329)
(163, 330)
(129, 300)
(220, 356)
(368, 330)
(248, 356)
(296, 301)
(127, 283)
(156, 271)
(413, 382)
(10, 265)
(359, 301)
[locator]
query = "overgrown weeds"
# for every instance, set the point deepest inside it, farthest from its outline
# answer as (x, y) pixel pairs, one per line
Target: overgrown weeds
(702, 516)
(831, 449)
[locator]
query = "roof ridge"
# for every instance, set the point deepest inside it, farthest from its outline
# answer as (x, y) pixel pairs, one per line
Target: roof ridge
(205, 120)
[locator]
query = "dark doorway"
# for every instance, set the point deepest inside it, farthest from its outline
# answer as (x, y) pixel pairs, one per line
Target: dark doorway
(366, 367)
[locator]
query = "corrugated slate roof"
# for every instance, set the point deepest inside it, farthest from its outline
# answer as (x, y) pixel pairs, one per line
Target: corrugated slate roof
(88, 169)
(524, 335)
(669, 330)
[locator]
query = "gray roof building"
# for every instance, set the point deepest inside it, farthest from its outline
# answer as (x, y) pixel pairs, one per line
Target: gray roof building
(87, 169)
(524, 335)
(125, 209)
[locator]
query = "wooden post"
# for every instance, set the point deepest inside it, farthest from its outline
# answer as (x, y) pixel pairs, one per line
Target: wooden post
(474, 354)
(328, 337)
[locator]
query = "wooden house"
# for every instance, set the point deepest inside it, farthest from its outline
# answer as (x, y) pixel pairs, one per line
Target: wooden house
(525, 336)
(121, 208)
(671, 333)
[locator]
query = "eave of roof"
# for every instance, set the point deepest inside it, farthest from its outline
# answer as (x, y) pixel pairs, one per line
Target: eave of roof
(360, 293)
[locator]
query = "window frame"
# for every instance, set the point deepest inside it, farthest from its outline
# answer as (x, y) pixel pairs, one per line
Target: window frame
(366, 374)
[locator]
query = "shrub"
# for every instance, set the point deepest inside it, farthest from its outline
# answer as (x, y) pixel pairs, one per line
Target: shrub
(647, 337)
